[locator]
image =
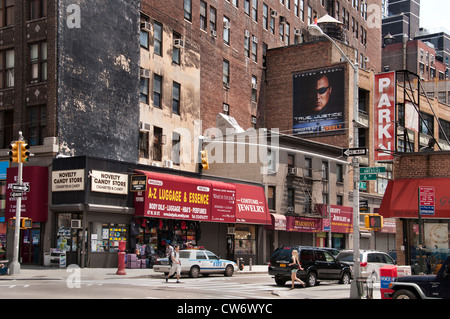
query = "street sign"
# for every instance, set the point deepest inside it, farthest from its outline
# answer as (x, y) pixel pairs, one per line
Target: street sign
(426, 200)
(16, 194)
(358, 151)
(368, 177)
(372, 170)
(362, 185)
(20, 188)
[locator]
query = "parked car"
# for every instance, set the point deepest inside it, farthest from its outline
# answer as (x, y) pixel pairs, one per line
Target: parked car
(318, 264)
(422, 286)
(370, 262)
(198, 261)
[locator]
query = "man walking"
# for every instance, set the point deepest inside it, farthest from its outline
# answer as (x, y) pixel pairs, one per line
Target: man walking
(176, 264)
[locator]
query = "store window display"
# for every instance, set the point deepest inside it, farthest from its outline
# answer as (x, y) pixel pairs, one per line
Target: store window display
(245, 240)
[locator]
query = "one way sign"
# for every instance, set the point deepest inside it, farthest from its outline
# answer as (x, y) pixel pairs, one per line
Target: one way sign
(358, 151)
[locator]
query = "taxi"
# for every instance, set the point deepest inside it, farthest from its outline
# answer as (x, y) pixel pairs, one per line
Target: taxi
(198, 261)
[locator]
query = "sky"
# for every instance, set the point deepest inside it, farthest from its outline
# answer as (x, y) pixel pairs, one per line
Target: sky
(435, 14)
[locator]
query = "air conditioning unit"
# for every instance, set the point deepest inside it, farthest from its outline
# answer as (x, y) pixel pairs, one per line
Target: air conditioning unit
(255, 39)
(145, 73)
(178, 43)
(297, 32)
(225, 107)
(75, 223)
(155, 164)
(168, 164)
(247, 34)
(282, 19)
(226, 85)
(254, 86)
(226, 24)
(146, 26)
(214, 33)
(292, 170)
(273, 14)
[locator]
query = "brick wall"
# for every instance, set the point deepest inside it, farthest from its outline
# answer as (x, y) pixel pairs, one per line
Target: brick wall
(423, 165)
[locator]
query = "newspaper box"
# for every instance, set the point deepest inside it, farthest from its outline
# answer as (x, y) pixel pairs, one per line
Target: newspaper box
(387, 273)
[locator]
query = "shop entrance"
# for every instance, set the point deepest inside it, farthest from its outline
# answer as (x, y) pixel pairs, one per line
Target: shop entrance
(30, 245)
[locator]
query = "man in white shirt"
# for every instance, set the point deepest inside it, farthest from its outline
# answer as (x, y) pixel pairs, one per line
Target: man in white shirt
(176, 264)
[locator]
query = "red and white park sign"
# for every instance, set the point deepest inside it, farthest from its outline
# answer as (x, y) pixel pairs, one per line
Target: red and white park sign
(384, 116)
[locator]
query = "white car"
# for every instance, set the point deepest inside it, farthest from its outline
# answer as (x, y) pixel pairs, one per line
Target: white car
(198, 261)
(370, 262)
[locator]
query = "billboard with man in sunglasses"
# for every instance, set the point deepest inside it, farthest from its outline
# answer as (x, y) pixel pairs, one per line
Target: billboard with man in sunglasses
(319, 101)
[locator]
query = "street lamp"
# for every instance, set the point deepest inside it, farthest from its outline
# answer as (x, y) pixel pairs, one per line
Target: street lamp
(315, 30)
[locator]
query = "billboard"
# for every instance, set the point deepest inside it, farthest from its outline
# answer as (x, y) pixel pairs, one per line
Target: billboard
(319, 101)
(384, 116)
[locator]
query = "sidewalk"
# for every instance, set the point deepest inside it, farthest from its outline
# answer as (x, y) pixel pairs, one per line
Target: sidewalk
(53, 273)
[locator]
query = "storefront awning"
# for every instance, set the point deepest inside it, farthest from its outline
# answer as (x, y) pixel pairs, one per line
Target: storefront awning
(251, 205)
(304, 224)
(179, 197)
(35, 200)
(278, 222)
(401, 198)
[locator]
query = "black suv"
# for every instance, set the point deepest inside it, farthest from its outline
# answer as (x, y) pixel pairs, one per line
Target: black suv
(318, 264)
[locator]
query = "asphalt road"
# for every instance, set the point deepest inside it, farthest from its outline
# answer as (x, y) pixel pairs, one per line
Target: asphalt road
(252, 286)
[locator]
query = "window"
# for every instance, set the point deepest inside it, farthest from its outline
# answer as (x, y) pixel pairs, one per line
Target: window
(296, 11)
(265, 16)
(176, 49)
(247, 7)
(38, 9)
(247, 44)
(7, 69)
(254, 89)
(426, 124)
(6, 13)
(143, 36)
(176, 148)
(203, 17)
(325, 170)
(235, 3)
(302, 10)
(226, 30)
(254, 49)
(107, 237)
(271, 197)
(176, 93)
(245, 240)
(291, 197)
(255, 10)
(157, 90)
(157, 38)
(310, 16)
(308, 167)
(143, 144)
(272, 25)
(6, 128)
(226, 72)
(36, 124)
(143, 97)
(445, 127)
(212, 19)
(157, 143)
(188, 10)
(291, 160)
(339, 173)
(38, 62)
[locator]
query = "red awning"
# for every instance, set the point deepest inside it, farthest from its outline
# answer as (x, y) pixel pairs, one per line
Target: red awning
(251, 205)
(401, 198)
(223, 202)
(278, 222)
(172, 196)
(34, 201)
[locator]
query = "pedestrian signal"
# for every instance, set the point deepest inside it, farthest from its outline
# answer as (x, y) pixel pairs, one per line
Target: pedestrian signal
(373, 221)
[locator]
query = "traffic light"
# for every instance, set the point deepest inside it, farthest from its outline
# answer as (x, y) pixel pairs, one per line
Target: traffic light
(373, 221)
(205, 164)
(14, 152)
(24, 153)
(25, 223)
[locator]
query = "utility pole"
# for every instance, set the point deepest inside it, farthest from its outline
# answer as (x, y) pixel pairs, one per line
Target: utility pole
(14, 267)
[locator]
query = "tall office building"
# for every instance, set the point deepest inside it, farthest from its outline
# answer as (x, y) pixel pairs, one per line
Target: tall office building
(403, 19)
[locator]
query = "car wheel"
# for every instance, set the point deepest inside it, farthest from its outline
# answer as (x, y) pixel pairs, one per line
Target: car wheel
(280, 281)
(228, 271)
(311, 279)
(194, 272)
(345, 280)
(404, 294)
